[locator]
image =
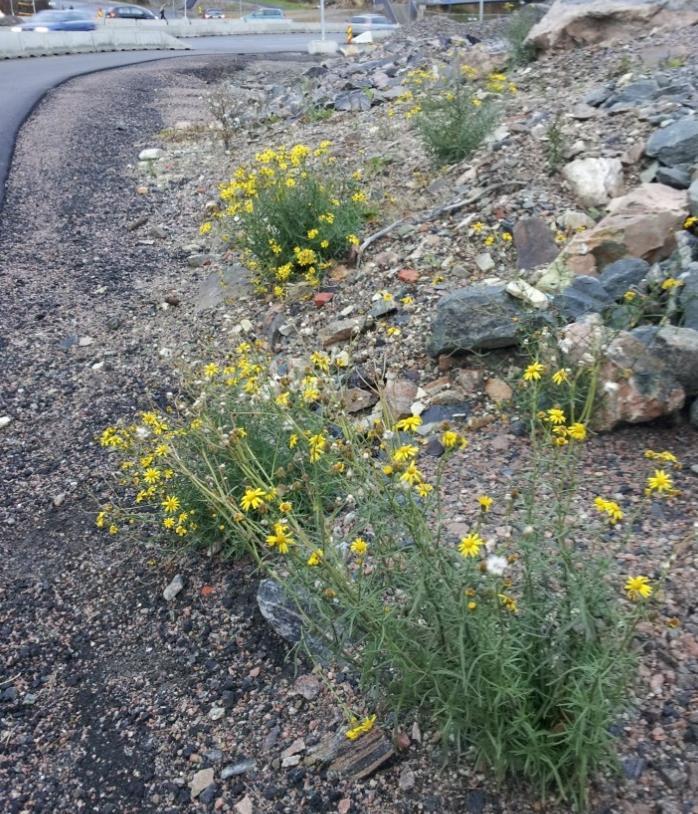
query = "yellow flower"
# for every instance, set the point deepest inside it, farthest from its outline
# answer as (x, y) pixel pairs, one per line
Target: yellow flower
(690, 222)
(280, 539)
(205, 227)
(211, 370)
(470, 545)
(671, 282)
(151, 475)
(170, 504)
(411, 475)
(560, 376)
(485, 502)
(292, 441)
(113, 529)
(312, 234)
(489, 240)
(450, 439)
(101, 520)
(169, 522)
(533, 372)
(353, 240)
(359, 546)
(393, 330)
(638, 588)
(660, 482)
(629, 296)
(324, 244)
(472, 605)
(506, 237)
(424, 489)
(388, 469)
(253, 499)
(290, 182)
(508, 602)
(285, 506)
(359, 728)
(304, 257)
(321, 361)
(577, 431)
(315, 558)
(610, 508)
(409, 424)
(359, 197)
(282, 399)
(407, 300)
(478, 226)
(556, 415)
(318, 445)
(405, 453)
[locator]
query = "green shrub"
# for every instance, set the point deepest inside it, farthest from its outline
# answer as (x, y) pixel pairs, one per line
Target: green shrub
(519, 26)
(292, 214)
(519, 651)
(454, 122)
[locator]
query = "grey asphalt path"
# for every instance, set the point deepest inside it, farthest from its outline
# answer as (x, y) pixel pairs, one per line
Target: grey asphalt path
(23, 82)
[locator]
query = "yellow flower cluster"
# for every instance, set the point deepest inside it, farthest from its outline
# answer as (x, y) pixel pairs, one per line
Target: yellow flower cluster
(292, 213)
(610, 508)
(359, 728)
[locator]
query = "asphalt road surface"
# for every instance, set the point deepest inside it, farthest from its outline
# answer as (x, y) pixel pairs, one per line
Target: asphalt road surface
(23, 82)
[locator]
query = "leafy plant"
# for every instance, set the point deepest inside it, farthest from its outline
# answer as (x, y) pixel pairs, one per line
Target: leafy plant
(518, 651)
(555, 145)
(522, 52)
(292, 213)
(454, 122)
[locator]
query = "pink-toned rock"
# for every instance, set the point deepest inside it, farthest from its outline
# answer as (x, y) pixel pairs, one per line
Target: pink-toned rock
(634, 384)
(570, 23)
(408, 276)
(470, 379)
(400, 394)
(321, 298)
(640, 224)
(356, 399)
(498, 390)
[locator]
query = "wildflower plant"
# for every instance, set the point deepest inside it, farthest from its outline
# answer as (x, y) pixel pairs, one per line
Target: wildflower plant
(292, 213)
(518, 650)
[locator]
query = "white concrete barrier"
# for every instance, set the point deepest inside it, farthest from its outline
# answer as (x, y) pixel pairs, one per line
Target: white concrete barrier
(196, 27)
(31, 44)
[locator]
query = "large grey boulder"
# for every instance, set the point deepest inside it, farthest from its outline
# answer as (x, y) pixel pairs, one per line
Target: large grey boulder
(688, 298)
(618, 277)
(693, 198)
(585, 22)
(482, 317)
(678, 346)
(675, 144)
(585, 295)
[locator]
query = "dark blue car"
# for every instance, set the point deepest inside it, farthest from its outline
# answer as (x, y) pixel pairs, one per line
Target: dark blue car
(46, 21)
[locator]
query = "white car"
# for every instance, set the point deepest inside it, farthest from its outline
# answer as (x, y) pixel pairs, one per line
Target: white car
(371, 22)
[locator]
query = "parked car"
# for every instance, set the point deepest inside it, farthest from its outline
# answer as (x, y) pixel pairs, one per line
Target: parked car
(213, 14)
(45, 21)
(129, 13)
(267, 15)
(371, 22)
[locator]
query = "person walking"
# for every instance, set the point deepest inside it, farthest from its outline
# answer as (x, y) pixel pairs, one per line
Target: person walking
(162, 13)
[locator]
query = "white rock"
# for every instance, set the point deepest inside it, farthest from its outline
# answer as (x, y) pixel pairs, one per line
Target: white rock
(527, 293)
(200, 781)
(484, 261)
(173, 588)
(595, 181)
(150, 154)
(84, 341)
(4, 421)
(216, 713)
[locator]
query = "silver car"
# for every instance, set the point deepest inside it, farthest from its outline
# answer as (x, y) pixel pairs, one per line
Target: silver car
(371, 22)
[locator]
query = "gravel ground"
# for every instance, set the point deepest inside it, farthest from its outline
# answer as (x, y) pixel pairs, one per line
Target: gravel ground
(109, 695)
